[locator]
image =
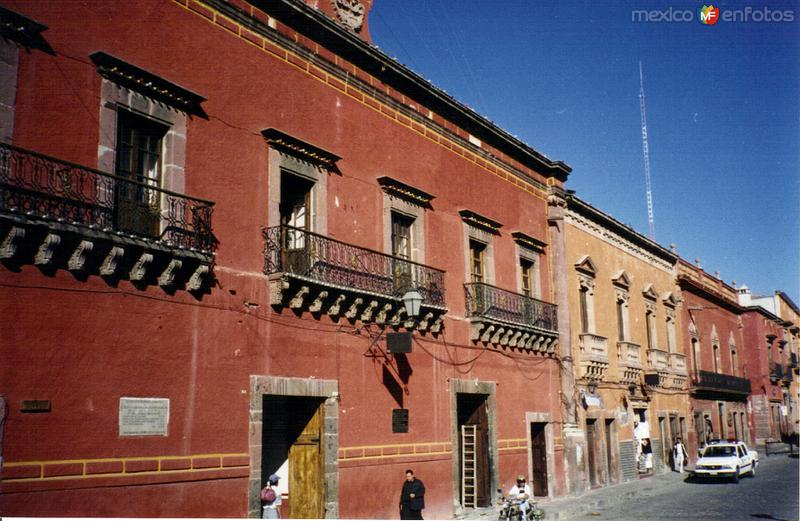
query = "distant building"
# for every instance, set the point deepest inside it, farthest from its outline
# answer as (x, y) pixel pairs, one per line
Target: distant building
(771, 328)
(629, 355)
(714, 339)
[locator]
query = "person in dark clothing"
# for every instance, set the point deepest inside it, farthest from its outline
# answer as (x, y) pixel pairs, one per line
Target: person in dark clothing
(412, 497)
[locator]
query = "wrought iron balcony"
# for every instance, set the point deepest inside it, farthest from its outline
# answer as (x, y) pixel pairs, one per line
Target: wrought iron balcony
(499, 316)
(717, 383)
(39, 186)
(311, 271)
(63, 215)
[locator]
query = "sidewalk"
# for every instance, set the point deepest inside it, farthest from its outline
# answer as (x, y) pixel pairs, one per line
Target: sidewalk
(565, 508)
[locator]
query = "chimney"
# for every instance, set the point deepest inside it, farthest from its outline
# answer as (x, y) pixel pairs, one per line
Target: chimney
(744, 296)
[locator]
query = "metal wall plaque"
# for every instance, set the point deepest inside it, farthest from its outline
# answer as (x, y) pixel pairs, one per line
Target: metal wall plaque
(398, 342)
(399, 420)
(143, 416)
(35, 406)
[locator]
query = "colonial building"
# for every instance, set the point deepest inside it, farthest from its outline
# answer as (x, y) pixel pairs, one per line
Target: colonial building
(629, 356)
(212, 216)
(771, 328)
(714, 339)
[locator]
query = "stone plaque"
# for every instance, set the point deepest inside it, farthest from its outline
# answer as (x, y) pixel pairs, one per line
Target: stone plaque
(143, 416)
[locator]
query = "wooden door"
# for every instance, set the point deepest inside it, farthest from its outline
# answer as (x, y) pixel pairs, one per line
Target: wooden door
(539, 459)
(610, 467)
(472, 411)
(305, 471)
(590, 452)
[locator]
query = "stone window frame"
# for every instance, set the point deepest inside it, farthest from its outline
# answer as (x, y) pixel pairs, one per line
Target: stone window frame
(532, 256)
(734, 352)
(694, 340)
(115, 98)
(279, 162)
(9, 61)
(650, 306)
(670, 318)
(622, 283)
(487, 239)
(716, 354)
(586, 271)
(392, 204)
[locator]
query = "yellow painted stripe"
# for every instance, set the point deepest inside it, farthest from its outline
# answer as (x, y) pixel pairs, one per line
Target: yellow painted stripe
(122, 459)
(120, 474)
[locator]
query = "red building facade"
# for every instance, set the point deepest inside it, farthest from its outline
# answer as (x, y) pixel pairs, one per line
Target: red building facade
(210, 214)
(768, 362)
(717, 349)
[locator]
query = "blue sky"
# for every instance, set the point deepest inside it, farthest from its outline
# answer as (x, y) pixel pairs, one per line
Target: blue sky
(723, 111)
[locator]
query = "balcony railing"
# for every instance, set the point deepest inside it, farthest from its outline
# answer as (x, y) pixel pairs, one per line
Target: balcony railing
(678, 362)
(658, 359)
(328, 261)
(484, 300)
(709, 381)
(629, 354)
(46, 188)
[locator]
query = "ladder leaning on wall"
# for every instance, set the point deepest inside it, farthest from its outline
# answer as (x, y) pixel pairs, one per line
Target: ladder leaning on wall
(469, 471)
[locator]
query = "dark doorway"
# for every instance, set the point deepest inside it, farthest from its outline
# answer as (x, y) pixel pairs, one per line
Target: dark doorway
(610, 467)
(473, 450)
(539, 459)
(591, 437)
(292, 434)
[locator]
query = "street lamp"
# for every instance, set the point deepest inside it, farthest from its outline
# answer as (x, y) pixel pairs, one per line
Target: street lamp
(411, 301)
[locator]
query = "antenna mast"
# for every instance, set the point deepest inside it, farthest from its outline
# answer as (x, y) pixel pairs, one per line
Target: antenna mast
(646, 152)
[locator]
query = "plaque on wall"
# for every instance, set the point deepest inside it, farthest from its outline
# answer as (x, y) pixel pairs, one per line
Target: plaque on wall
(399, 420)
(143, 416)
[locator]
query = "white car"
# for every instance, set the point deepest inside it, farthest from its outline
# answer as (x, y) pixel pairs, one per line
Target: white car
(726, 460)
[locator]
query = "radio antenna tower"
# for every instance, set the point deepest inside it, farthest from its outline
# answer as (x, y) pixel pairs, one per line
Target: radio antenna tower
(645, 150)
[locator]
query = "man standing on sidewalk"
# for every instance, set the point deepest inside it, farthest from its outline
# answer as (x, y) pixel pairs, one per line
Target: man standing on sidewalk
(679, 455)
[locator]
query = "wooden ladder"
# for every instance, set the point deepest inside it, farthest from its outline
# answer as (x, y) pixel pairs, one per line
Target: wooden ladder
(469, 471)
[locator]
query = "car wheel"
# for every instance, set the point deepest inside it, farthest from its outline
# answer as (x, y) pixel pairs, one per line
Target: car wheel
(736, 475)
(753, 470)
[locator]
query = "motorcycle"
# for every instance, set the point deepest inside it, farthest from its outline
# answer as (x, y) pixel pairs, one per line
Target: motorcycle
(511, 509)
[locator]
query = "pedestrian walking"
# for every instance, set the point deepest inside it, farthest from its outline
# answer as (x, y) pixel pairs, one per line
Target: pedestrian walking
(412, 497)
(271, 498)
(679, 455)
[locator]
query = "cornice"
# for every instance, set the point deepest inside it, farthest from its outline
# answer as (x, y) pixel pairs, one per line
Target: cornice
(312, 154)
(689, 284)
(312, 23)
(612, 238)
(399, 189)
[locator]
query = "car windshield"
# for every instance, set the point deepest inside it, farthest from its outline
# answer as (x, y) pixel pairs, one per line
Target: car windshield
(719, 452)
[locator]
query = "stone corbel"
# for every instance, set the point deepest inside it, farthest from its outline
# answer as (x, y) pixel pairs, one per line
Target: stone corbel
(336, 307)
(167, 278)
(366, 315)
(507, 337)
(140, 268)
(45, 254)
(297, 300)
(498, 333)
(353, 311)
(78, 259)
(317, 304)
(423, 324)
(198, 278)
(397, 315)
(486, 335)
(109, 266)
(522, 342)
(9, 246)
(380, 318)
(437, 326)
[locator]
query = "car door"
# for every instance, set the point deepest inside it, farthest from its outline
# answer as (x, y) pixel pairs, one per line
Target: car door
(744, 458)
